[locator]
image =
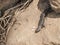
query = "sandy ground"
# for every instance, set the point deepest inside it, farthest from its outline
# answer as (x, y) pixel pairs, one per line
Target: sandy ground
(22, 33)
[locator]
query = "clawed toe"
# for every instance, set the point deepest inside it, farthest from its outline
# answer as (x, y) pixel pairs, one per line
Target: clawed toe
(37, 30)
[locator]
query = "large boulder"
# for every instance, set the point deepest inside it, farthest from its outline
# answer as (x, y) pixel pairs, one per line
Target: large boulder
(23, 30)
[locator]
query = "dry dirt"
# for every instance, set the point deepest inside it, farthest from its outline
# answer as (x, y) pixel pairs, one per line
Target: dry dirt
(22, 32)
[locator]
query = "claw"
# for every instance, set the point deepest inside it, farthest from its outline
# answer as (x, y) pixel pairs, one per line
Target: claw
(39, 28)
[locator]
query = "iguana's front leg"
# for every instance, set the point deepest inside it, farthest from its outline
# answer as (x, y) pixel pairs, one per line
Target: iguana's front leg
(42, 18)
(41, 23)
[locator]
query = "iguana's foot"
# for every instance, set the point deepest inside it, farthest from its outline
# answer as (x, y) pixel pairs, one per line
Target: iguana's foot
(39, 28)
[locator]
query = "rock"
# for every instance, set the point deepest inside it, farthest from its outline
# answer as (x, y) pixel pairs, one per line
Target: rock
(22, 34)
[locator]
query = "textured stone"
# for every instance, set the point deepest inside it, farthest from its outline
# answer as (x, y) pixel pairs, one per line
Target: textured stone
(23, 31)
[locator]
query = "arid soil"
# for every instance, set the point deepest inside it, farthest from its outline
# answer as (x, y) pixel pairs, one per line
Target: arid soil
(23, 31)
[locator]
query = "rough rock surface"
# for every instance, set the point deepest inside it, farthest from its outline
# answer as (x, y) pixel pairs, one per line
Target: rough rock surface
(22, 32)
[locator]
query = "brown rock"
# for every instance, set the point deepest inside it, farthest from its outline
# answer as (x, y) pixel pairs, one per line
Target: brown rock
(24, 34)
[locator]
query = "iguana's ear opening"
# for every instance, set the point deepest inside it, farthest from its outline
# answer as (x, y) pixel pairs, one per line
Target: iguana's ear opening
(55, 4)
